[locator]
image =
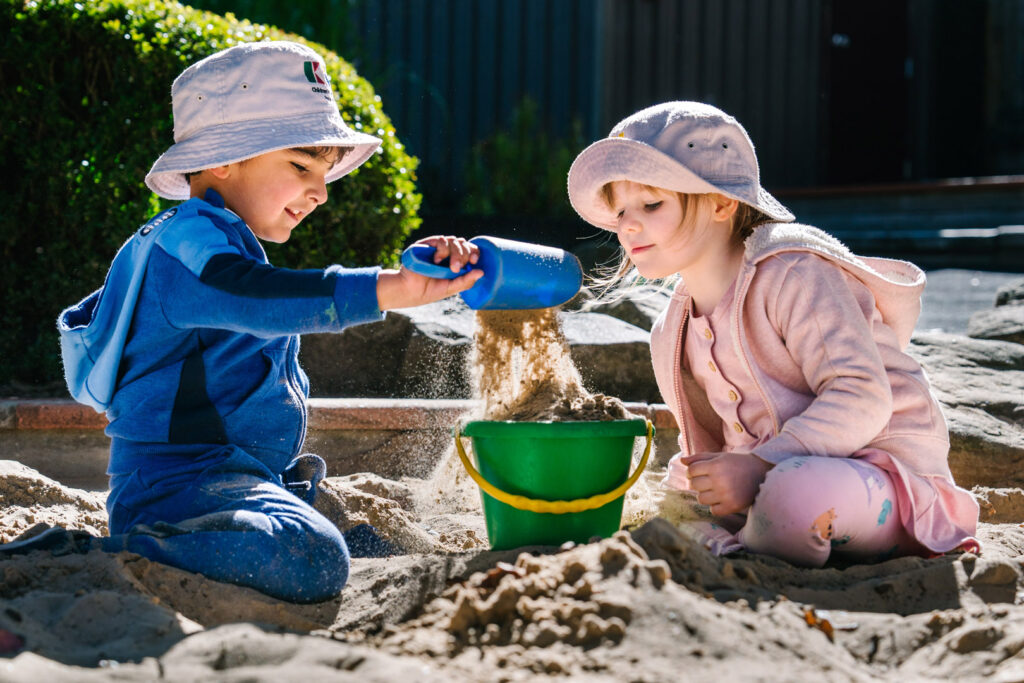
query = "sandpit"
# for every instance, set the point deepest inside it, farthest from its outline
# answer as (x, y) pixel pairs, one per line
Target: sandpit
(645, 605)
(648, 604)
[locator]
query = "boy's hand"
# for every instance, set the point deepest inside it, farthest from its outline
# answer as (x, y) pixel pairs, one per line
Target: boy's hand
(404, 288)
(727, 482)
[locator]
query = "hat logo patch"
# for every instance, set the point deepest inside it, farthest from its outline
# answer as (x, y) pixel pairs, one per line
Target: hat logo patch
(315, 72)
(316, 75)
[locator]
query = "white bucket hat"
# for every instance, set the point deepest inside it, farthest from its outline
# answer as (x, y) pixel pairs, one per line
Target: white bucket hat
(248, 100)
(685, 147)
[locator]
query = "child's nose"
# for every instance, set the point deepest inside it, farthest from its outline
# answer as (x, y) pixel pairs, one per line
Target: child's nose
(630, 223)
(318, 192)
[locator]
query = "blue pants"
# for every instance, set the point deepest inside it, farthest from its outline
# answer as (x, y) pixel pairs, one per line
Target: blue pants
(222, 513)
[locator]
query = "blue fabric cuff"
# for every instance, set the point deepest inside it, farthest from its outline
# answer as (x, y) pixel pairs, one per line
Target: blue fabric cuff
(355, 294)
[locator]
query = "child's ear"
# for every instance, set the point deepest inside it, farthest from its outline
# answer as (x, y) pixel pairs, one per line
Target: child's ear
(220, 172)
(724, 208)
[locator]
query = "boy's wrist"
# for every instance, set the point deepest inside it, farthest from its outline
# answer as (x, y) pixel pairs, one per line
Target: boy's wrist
(387, 285)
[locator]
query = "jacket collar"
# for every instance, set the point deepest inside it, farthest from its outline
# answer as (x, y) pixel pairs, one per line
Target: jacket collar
(213, 198)
(774, 238)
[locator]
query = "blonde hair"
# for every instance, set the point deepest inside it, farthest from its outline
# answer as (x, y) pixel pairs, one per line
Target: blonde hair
(744, 221)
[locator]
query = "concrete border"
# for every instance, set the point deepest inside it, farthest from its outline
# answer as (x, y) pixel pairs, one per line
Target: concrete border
(395, 438)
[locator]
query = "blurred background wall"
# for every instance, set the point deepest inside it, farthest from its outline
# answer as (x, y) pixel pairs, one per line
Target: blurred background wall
(885, 121)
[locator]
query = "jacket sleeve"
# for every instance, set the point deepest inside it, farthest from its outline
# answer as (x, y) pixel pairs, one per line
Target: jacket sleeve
(236, 293)
(825, 320)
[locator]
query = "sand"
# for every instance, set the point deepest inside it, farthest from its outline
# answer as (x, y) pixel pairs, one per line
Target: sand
(645, 605)
(648, 604)
(522, 371)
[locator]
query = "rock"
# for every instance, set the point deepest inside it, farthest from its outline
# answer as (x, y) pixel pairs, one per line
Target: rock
(638, 306)
(1004, 322)
(436, 358)
(364, 360)
(1000, 505)
(423, 353)
(980, 384)
(580, 301)
(1011, 294)
(613, 357)
(413, 353)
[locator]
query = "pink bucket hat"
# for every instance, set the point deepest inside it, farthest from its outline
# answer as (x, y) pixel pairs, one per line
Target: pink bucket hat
(248, 100)
(680, 146)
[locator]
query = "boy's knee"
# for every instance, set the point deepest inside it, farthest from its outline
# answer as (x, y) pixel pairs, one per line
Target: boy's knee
(320, 566)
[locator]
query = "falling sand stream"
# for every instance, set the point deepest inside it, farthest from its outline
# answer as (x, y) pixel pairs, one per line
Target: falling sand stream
(522, 371)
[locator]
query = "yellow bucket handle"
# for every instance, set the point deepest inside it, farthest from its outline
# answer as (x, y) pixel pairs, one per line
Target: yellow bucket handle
(557, 507)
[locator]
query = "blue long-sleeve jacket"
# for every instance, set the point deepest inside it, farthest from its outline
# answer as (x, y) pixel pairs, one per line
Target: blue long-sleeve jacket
(193, 338)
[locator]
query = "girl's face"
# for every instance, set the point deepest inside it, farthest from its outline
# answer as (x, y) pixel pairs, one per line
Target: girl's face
(274, 191)
(658, 239)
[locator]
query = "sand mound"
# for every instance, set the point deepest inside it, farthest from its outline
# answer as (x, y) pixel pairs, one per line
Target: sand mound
(645, 605)
(32, 502)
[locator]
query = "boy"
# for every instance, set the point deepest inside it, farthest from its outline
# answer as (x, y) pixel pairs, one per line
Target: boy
(191, 346)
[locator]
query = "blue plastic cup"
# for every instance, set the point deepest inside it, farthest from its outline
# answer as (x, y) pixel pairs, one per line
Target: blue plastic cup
(517, 275)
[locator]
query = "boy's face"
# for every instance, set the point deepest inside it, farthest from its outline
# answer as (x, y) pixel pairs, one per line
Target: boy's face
(274, 191)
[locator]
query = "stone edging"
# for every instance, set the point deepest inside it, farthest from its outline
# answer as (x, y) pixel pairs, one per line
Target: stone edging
(325, 414)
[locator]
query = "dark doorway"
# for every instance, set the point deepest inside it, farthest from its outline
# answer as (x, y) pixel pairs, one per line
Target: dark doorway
(960, 138)
(865, 84)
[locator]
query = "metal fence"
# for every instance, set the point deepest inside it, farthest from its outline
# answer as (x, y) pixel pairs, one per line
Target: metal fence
(756, 59)
(450, 72)
(831, 91)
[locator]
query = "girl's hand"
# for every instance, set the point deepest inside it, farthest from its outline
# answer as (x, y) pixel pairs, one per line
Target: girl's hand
(727, 482)
(403, 288)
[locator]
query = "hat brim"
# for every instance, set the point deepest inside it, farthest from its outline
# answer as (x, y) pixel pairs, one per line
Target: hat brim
(232, 142)
(613, 159)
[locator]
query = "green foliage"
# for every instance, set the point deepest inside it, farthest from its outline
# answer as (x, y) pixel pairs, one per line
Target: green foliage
(521, 171)
(86, 111)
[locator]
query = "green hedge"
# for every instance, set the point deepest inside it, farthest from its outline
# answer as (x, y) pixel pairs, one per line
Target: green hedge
(521, 171)
(86, 111)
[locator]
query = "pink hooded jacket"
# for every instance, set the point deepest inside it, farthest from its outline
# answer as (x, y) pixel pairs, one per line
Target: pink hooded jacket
(829, 363)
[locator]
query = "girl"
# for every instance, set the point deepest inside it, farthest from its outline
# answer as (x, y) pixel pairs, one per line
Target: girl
(803, 424)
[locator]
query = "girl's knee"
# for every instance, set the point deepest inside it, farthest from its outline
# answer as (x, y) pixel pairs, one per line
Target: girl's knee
(785, 520)
(788, 488)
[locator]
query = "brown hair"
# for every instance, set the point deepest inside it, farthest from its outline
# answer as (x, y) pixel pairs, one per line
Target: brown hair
(746, 219)
(330, 154)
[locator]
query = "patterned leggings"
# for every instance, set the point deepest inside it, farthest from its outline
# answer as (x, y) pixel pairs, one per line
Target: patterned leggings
(809, 507)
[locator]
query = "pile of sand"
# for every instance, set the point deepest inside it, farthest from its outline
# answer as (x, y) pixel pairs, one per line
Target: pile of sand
(649, 605)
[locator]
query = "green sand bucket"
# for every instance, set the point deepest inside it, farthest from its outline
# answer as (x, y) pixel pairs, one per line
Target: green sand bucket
(545, 483)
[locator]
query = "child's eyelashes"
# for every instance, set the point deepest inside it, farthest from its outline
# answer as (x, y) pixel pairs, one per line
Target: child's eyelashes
(649, 207)
(299, 167)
